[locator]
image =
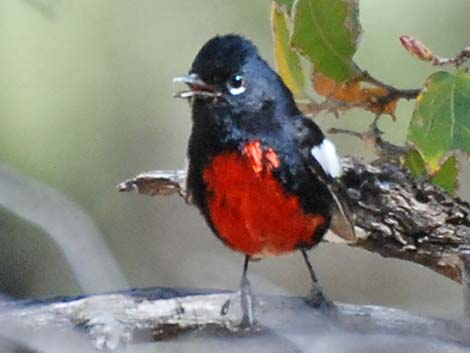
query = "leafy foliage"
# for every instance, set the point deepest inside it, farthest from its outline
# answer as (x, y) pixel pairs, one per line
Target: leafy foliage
(288, 61)
(415, 163)
(354, 94)
(441, 120)
(446, 176)
(326, 33)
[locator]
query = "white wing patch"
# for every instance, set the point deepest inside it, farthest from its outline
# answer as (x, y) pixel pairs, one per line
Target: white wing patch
(326, 156)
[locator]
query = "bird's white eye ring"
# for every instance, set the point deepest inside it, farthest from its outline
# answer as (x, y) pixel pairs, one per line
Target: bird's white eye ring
(236, 85)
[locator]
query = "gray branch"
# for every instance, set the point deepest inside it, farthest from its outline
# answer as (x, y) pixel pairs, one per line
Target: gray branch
(162, 314)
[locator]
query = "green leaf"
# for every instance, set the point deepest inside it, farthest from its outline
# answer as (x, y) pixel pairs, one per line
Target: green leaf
(287, 61)
(327, 32)
(441, 120)
(286, 3)
(447, 176)
(415, 163)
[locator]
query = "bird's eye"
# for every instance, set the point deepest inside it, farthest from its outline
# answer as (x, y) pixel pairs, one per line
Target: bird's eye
(236, 85)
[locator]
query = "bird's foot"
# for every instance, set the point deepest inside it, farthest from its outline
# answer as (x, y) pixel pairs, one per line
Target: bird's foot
(317, 300)
(246, 300)
(248, 305)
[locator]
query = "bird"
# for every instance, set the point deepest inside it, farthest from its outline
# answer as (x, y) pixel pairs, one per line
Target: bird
(260, 171)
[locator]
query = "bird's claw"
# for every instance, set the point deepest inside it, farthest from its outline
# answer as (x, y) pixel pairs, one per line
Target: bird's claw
(317, 300)
(246, 299)
(224, 310)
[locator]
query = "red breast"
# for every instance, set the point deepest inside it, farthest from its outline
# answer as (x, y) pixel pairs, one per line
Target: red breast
(249, 207)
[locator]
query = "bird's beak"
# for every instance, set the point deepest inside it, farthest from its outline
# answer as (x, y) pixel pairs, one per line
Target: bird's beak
(197, 87)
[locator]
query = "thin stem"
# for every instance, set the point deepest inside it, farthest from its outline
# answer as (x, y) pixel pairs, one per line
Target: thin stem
(330, 104)
(394, 92)
(458, 61)
(373, 137)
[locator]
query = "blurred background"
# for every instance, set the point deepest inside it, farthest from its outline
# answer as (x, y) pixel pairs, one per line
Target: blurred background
(86, 102)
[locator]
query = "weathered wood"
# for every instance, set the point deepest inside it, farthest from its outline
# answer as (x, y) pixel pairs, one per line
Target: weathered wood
(163, 313)
(396, 215)
(408, 219)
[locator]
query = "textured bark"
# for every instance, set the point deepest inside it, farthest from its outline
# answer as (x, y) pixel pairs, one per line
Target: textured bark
(395, 214)
(408, 219)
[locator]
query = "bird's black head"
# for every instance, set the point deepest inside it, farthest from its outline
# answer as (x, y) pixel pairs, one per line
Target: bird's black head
(228, 77)
(222, 58)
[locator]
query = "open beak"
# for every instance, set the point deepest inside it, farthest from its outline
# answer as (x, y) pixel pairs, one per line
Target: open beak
(197, 87)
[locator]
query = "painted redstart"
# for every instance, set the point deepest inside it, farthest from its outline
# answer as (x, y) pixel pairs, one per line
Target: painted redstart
(259, 171)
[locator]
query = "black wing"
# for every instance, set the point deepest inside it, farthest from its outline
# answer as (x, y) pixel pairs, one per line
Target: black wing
(323, 161)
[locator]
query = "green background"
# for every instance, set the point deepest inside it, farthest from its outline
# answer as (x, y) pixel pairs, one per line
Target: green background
(86, 102)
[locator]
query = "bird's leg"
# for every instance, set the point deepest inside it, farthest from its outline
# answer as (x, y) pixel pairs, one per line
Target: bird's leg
(316, 298)
(246, 300)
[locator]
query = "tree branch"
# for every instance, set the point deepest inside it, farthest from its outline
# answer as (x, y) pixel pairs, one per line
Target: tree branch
(351, 95)
(396, 215)
(373, 138)
(163, 313)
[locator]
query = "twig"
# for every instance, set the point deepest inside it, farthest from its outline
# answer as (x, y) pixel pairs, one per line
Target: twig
(160, 183)
(457, 61)
(394, 93)
(373, 137)
(329, 105)
(420, 50)
(377, 102)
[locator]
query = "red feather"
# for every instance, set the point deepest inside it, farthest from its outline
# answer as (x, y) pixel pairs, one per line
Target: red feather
(249, 207)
